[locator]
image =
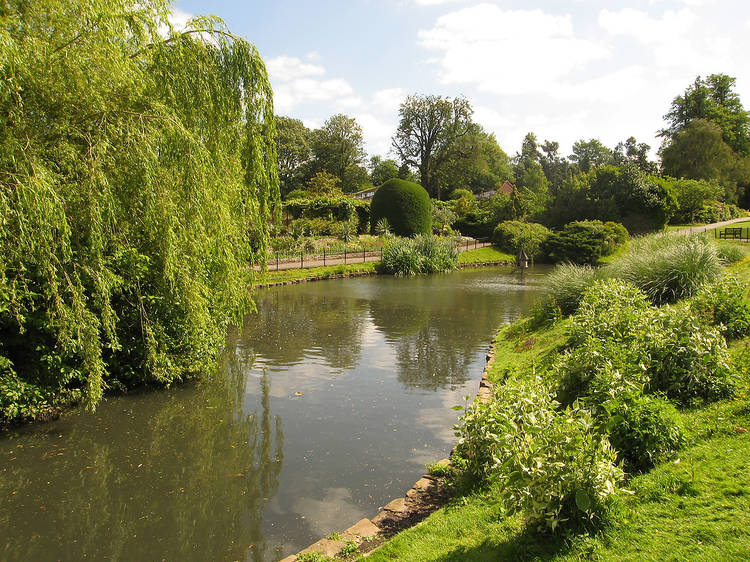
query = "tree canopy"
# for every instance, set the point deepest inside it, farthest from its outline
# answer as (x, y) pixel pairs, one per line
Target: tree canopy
(338, 148)
(712, 99)
(137, 179)
(428, 129)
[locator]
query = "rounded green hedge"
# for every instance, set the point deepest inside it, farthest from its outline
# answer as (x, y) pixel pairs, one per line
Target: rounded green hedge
(406, 206)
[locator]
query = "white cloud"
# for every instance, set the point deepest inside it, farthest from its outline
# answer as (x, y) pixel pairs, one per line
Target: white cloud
(301, 85)
(508, 52)
(639, 25)
(436, 2)
(289, 68)
(296, 82)
(179, 18)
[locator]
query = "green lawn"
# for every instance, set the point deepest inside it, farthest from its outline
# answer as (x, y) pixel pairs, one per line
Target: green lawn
(325, 272)
(694, 507)
(489, 254)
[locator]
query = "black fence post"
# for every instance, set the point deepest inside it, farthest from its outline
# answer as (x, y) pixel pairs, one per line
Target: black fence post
(344, 256)
(364, 259)
(301, 260)
(277, 262)
(324, 256)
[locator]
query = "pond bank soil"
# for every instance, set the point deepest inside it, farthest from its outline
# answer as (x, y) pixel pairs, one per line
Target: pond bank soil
(428, 494)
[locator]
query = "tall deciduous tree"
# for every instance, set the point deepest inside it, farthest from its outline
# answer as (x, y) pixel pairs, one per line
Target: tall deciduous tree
(382, 170)
(556, 168)
(137, 180)
(475, 162)
(293, 150)
(338, 147)
(590, 154)
(428, 130)
(712, 99)
(636, 153)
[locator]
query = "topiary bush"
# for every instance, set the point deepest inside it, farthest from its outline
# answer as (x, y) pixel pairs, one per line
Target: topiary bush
(405, 204)
(511, 236)
(584, 242)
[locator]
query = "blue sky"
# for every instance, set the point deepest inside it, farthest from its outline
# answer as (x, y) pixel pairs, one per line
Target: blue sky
(564, 70)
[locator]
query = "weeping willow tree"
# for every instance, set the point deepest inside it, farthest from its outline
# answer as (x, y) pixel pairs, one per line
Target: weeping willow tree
(137, 179)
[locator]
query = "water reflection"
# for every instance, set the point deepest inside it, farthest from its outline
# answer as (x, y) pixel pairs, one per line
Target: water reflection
(363, 372)
(291, 324)
(179, 474)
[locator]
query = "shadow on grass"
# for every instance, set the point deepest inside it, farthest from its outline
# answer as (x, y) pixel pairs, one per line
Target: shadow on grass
(529, 544)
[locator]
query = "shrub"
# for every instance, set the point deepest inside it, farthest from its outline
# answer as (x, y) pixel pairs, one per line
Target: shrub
(668, 267)
(296, 194)
(605, 357)
(567, 283)
(421, 254)
(598, 371)
(312, 227)
(645, 430)
(405, 204)
(383, 227)
(584, 242)
(443, 216)
(552, 465)
(610, 309)
(716, 211)
(511, 236)
(723, 305)
(689, 361)
(620, 344)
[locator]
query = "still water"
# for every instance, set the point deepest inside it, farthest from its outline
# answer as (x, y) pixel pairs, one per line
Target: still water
(326, 407)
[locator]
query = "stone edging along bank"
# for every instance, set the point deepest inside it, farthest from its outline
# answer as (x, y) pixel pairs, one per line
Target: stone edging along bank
(427, 495)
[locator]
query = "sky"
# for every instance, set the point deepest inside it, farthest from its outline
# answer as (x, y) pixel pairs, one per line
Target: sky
(564, 70)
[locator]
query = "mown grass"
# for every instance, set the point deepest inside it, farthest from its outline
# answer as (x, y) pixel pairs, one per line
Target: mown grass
(489, 254)
(694, 507)
(326, 272)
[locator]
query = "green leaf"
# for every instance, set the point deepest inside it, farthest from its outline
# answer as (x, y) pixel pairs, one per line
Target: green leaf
(582, 500)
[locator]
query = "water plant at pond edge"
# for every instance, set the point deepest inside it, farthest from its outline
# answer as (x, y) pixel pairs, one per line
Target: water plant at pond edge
(424, 253)
(125, 248)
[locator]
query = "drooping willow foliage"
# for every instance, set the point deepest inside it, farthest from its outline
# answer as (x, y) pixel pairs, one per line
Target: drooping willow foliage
(137, 179)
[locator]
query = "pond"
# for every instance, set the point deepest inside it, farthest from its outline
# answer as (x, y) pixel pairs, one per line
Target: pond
(326, 407)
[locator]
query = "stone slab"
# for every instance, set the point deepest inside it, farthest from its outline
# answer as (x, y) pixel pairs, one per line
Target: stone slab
(364, 529)
(424, 484)
(396, 506)
(380, 517)
(325, 546)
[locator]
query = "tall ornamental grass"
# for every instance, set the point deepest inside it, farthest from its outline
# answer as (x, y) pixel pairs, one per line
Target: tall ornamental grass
(422, 254)
(667, 267)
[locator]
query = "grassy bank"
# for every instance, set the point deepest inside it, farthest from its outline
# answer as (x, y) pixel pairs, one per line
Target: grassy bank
(693, 505)
(490, 254)
(325, 272)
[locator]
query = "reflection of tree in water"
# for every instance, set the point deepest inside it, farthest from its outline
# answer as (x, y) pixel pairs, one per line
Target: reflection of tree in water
(292, 321)
(422, 324)
(188, 481)
(425, 361)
